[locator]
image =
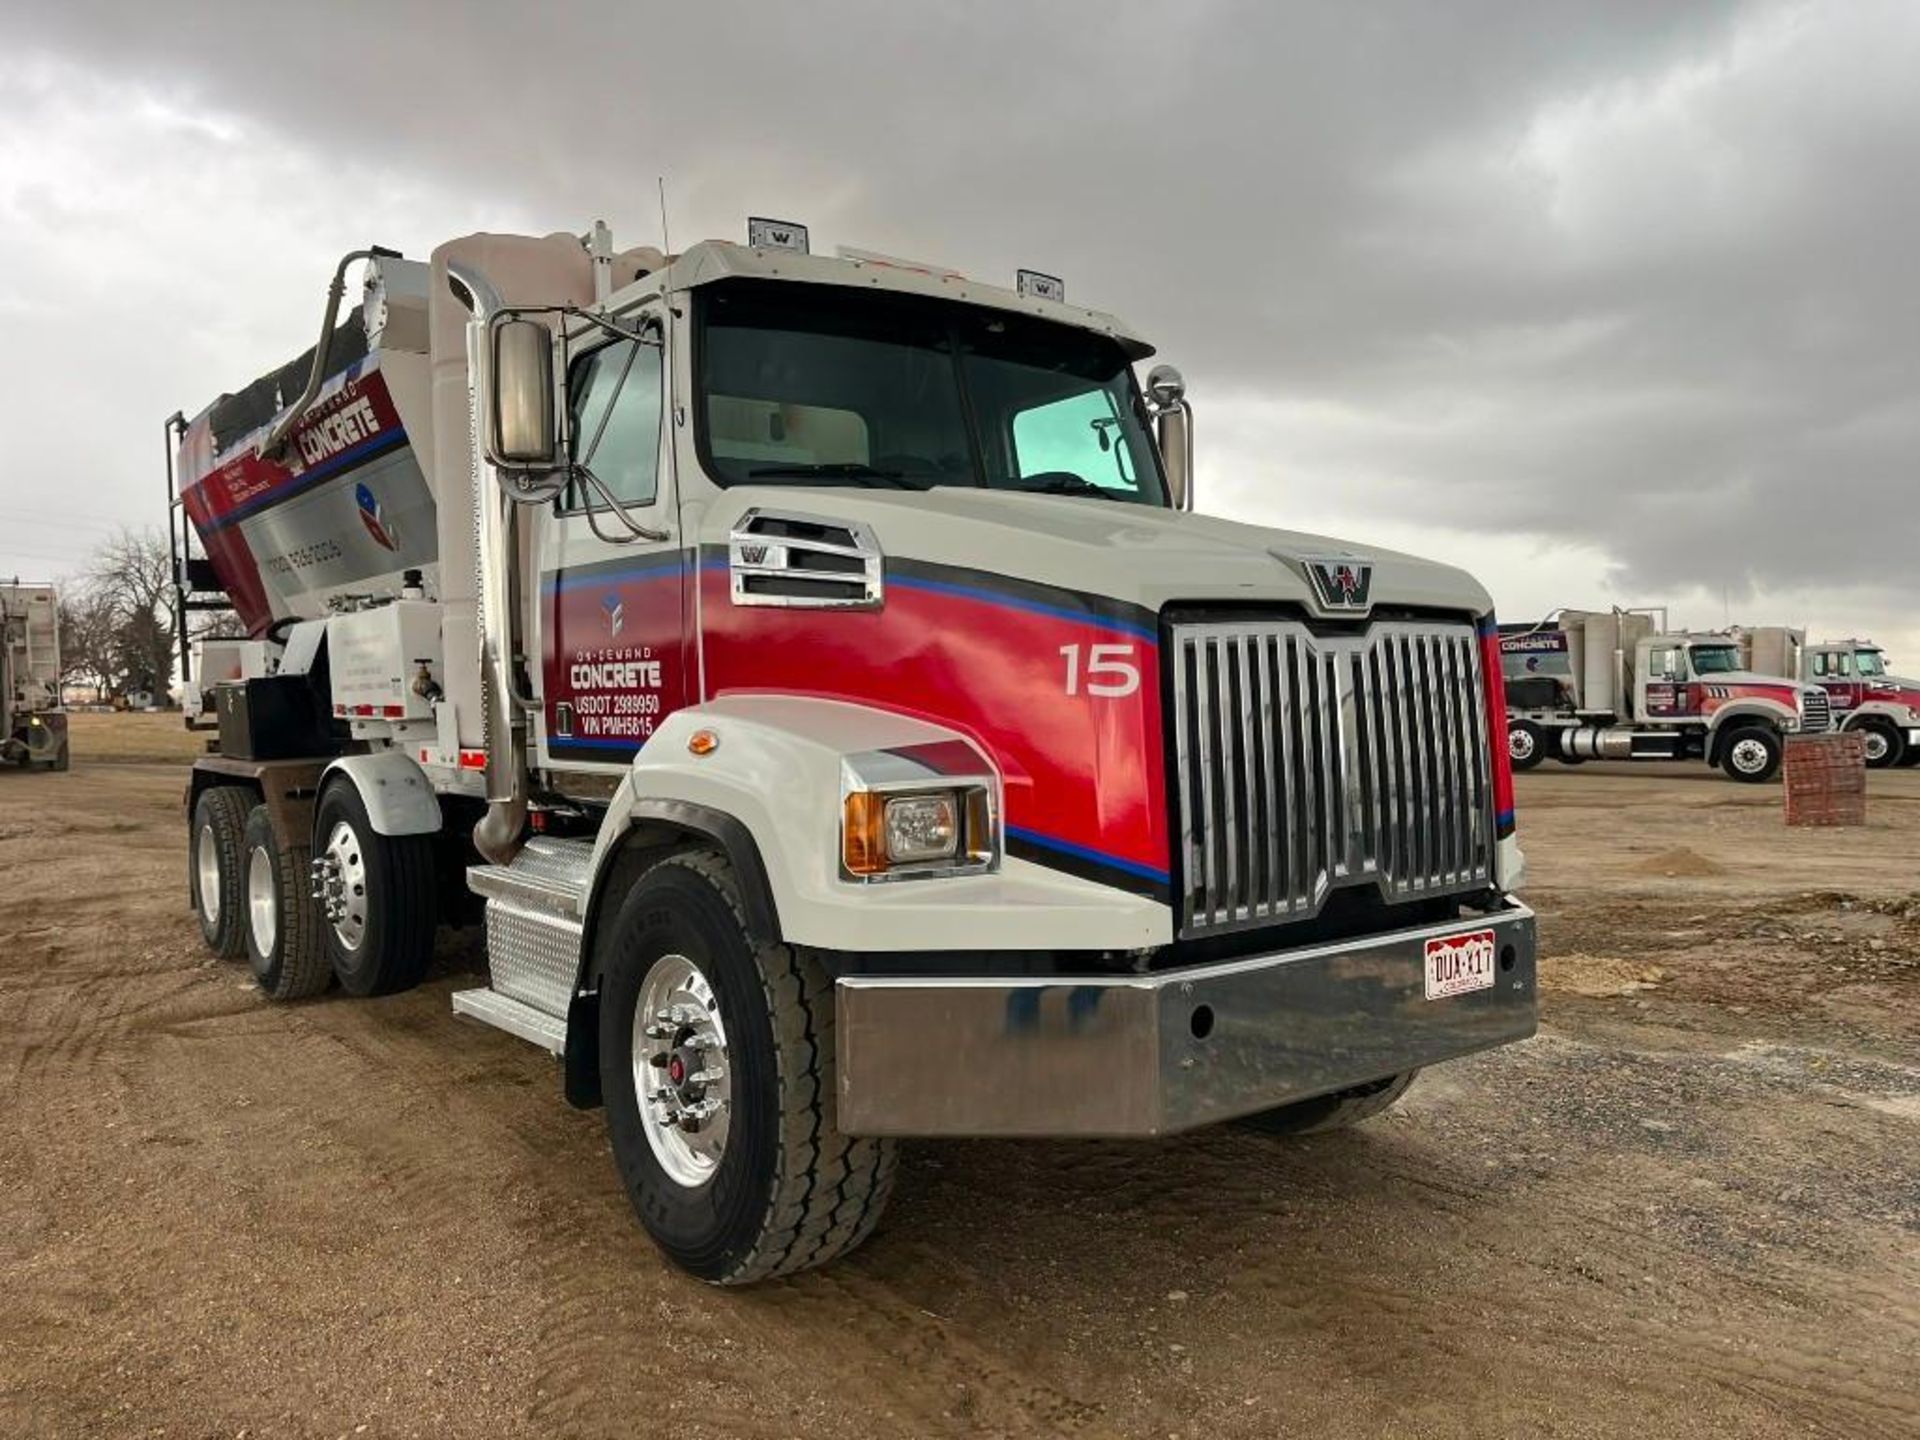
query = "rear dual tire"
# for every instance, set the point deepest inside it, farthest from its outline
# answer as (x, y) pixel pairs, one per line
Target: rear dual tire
(283, 924)
(379, 911)
(215, 870)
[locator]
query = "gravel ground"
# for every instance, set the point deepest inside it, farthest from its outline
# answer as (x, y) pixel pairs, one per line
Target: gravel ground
(1690, 1206)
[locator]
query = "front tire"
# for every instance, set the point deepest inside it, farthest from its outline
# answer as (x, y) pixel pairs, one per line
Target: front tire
(717, 1066)
(1751, 754)
(1526, 744)
(1886, 747)
(378, 902)
(283, 923)
(1337, 1111)
(214, 870)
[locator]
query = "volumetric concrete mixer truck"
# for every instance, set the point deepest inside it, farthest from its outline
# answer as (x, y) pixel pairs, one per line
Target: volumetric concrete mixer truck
(1618, 685)
(815, 667)
(33, 727)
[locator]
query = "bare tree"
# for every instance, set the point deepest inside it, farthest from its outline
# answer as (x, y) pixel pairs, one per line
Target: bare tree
(129, 586)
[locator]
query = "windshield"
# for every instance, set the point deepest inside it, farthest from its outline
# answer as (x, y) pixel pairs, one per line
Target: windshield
(1715, 659)
(1870, 662)
(811, 384)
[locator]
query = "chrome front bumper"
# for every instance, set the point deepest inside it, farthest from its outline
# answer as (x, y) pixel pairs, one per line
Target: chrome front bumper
(1156, 1054)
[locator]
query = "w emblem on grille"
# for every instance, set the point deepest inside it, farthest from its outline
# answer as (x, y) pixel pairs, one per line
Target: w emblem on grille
(1342, 583)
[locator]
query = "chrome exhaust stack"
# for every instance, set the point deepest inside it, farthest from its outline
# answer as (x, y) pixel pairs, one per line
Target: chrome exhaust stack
(498, 835)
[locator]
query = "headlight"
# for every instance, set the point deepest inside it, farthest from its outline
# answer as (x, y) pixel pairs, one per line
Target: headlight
(899, 821)
(922, 827)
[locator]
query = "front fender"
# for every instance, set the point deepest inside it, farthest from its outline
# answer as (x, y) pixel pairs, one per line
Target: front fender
(775, 773)
(398, 796)
(1781, 717)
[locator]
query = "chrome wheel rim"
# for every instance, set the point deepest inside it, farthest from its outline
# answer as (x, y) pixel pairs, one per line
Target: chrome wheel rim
(682, 1075)
(206, 860)
(345, 885)
(263, 902)
(1876, 745)
(1749, 756)
(1520, 744)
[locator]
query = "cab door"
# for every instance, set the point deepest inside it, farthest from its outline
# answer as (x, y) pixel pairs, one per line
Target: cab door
(1666, 693)
(610, 611)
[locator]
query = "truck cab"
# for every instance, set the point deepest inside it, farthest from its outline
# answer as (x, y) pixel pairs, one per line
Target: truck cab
(1866, 696)
(816, 672)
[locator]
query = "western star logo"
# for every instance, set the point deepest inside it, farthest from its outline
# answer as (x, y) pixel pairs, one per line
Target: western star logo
(1342, 583)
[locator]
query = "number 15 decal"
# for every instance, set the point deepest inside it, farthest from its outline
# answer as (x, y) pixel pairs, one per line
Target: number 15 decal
(1108, 671)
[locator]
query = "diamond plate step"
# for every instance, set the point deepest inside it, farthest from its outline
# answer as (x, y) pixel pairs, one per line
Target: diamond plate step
(534, 907)
(547, 874)
(492, 1008)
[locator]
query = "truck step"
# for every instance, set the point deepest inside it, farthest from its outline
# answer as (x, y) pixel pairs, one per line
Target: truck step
(548, 874)
(504, 1013)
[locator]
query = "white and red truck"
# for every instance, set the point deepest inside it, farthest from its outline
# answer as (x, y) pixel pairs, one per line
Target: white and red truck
(1618, 685)
(815, 666)
(1884, 708)
(33, 726)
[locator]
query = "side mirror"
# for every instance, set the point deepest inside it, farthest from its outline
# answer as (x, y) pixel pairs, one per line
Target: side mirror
(523, 435)
(1173, 419)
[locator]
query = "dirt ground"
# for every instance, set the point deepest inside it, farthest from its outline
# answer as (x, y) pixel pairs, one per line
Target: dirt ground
(1690, 1206)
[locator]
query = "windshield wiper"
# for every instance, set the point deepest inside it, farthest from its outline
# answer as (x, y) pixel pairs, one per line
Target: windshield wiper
(839, 470)
(1068, 485)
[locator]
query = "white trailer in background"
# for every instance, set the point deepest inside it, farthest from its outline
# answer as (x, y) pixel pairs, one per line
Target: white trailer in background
(33, 726)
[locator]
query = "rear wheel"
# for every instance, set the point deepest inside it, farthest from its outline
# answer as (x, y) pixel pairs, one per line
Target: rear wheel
(283, 923)
(377, 900)
(1751, 753)
(1331, 1112)
(717, 1066)
(1526, 744)
(214, 869)
(1886, 747)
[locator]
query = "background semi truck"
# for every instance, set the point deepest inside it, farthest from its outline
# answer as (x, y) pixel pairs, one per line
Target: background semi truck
(33, 727)
(815, 669)
(1884, 708)
(1617, 685)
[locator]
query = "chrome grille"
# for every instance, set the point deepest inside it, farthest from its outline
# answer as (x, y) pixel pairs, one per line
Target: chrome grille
(1310, 762)
(1816, 712)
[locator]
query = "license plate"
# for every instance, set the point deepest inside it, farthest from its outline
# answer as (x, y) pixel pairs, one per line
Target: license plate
(1460, 963)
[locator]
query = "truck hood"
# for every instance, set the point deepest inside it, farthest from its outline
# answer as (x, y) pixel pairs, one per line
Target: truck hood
(1752, 678)
(1129, 553)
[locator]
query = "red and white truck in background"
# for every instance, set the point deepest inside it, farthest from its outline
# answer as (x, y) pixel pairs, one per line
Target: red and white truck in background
(33, 726)
(1618, 685)
(814, 665)
(1884, 708)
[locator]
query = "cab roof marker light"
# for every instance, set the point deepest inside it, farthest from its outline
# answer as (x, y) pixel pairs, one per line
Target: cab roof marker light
(1033, 285)
(765, 234)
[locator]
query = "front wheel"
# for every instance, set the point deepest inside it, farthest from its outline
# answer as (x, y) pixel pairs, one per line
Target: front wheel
(717, 1066)
(1751, 753)
(1886, 747)
(1331, 1112)
(1526, 744)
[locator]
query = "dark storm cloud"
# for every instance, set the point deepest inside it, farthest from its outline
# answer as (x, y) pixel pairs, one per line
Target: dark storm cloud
(1634, 276)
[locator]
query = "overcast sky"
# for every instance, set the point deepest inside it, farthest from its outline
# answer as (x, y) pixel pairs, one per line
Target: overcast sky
(1610, 303)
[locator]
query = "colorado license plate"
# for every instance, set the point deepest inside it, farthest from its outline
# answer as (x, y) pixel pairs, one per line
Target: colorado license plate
(1460, 963)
